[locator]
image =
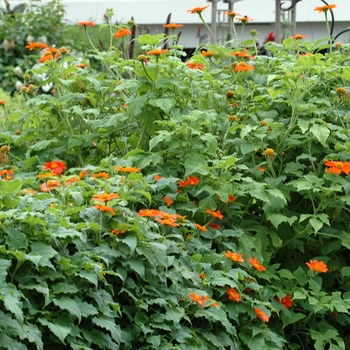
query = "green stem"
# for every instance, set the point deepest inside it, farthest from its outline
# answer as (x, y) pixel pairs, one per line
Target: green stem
(206, 25)
(242, 32)
(234, 28)
(329, 32)
(99, 55)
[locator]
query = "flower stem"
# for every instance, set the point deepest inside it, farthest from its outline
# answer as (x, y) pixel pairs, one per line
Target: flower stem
(206, 25)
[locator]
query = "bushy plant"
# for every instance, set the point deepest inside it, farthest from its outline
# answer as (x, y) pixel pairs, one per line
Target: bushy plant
(152, 203)
(23, 24)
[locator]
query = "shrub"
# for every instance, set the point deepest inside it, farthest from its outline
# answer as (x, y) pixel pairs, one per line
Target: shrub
(162, 204)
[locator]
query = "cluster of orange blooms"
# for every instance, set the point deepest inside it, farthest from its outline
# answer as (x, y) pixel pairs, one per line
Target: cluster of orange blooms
(6, 174)
(162, 217)
(191, 181)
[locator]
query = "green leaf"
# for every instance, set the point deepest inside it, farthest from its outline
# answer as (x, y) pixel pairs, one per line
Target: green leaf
(46, 252)
(147, 39)
(131, 241)
(211, 143)
(61, 331)
(137, 266)
(15, 239)
(163, 136)
(65, 303)
(346, 73)
(146, 194)
(316, 224)
(276, 219)
(321, 132)
(62, 232)
(110, 325)
(11, 299)
(40, 145)
(33, 334)
(78, 197)
(165, 104)
(10, 344)
(89, 276)
(4, 265)
(10, 187)
(303, 125)
(64, 288)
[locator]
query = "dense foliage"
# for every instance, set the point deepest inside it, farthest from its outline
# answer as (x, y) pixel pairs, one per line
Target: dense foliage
(156, 204)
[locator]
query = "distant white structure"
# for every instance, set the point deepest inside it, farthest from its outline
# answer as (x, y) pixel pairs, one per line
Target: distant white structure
(153, 13)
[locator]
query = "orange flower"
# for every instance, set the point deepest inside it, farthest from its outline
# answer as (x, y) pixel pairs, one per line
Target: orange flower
(121, 33)
(2, 102)
(299, 36)
(149, 212)
(198, 9)
(157, 177)
(117, 232)
(28, 191)
(215, 214)
(168, 201)
(243, 66)
(207, 53)
(230, 198)
(194, 65)
(86, 24)
(168, 221)
(233, 295)
(269, 152)
(191, 181)
(56, 167)
(342, 91)
(102, 174)
(200, 228)
(325, 8)
(231, 14)
(33, 46)
(48, 56)
(244, 19)
(243, 54)
(45, 175)
(237, 257)
(157, 52)
(287, 302)
(104, 197)
(202, 275)
(317, 266)
(261, 314)
(83, 174)
(127, 169)
(71, 180)
(6, 174)
(257, 266)
(81, 65)
(173, 26)
(104, 208)
(198, 298)
(337, 167)
(49, 185)
(215, 226)
(62, 51)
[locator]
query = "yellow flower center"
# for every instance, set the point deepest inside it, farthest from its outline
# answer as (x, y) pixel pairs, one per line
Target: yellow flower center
(339, 165)
(54, 165)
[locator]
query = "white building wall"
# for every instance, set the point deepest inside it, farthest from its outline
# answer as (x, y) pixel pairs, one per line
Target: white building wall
(153, 13)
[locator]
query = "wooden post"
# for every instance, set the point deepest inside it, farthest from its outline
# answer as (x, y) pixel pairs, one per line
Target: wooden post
(213, 20)
(278, 22)
(230, 9)
(294, 20)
